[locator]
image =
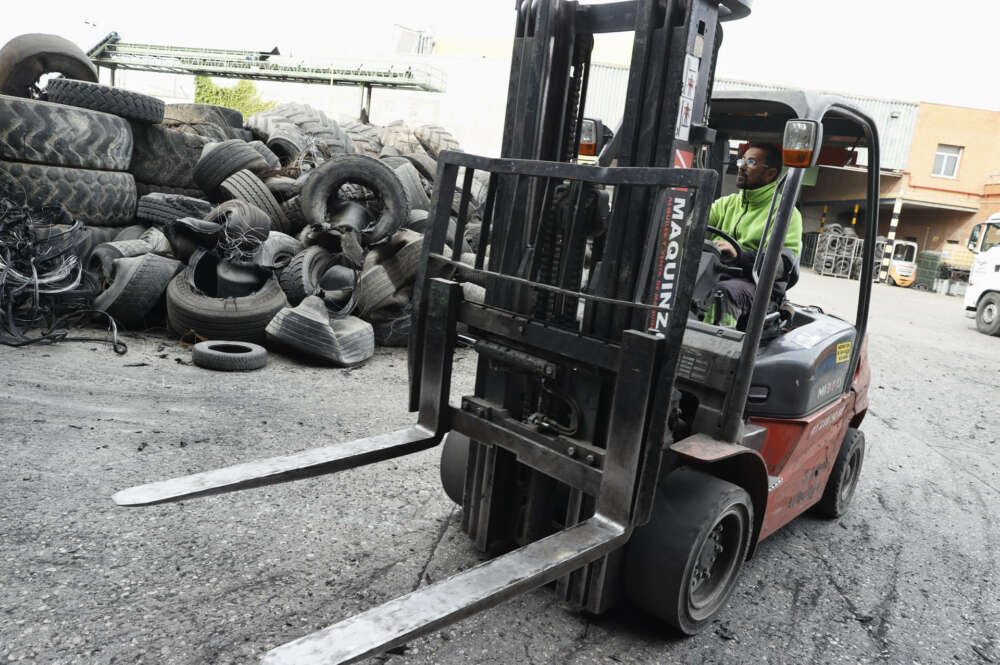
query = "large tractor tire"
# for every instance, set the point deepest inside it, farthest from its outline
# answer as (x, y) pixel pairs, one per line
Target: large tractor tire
(45, 133)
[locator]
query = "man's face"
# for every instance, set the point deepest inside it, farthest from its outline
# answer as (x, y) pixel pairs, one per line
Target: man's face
(758, 175)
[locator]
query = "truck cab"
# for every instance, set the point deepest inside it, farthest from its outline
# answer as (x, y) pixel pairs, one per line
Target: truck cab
(982, 298)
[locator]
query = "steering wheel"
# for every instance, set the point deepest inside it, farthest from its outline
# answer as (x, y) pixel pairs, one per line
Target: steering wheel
(728, 238)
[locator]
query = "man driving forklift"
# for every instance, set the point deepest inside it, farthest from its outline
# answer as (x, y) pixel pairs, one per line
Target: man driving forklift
(743, 215)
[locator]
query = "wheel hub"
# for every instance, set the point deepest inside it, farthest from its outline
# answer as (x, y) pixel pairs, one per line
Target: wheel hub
(989, 313)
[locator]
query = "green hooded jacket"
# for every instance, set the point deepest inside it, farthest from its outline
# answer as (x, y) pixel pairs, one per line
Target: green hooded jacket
(743, 214)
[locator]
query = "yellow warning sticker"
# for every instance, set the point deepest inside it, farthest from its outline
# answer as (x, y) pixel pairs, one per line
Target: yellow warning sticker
(843, 352)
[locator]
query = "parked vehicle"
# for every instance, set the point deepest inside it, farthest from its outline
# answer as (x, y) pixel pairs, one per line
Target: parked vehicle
(982, 298)
(903, 265)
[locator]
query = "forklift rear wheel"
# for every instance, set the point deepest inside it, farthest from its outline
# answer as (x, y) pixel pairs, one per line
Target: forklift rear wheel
(682, 565)
(988, 314)
(844, 477)
(454, 460)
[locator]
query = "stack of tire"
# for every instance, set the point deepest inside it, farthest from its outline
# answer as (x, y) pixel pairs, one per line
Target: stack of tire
(365, 265)
(216, 229)
(839, 252)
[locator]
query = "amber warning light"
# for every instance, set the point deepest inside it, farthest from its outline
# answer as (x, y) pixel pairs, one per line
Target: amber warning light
(800, 146)
(588, 137)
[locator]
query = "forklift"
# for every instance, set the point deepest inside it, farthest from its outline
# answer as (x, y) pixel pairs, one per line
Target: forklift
(615, 445)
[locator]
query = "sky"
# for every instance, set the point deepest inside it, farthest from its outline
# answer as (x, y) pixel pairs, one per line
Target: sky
(897, 49)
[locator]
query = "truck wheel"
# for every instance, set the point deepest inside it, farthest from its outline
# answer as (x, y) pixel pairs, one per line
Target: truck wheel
(844, 477)
(988, 314)
(682, 565)
(454, 462)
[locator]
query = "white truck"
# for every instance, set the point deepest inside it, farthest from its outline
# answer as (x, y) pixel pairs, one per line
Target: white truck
(982, 299)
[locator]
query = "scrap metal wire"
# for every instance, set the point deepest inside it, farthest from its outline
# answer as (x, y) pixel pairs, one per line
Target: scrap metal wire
(43, 285)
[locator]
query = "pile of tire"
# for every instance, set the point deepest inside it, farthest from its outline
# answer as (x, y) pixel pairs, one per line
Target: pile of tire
(221, 229)
(839, 252)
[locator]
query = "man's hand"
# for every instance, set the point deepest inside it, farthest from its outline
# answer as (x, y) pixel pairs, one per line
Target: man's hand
(726, 248)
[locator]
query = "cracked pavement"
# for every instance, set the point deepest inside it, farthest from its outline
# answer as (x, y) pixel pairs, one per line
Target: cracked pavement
(908, 575)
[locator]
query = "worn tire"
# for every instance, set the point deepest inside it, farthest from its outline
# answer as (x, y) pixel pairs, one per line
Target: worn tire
(138, 283)
(277, 251)
(308, 329)
(101, 198)
(116, 101)
(363, 136)
(165, 208)
(988, 314)
(436, 139)
(242, 319)
(245, 186)
(45, 133)
(144, 188)
(426, 167)
(271, 159)
(131, 232)
(844, 477)
(317, 126)
(203, 114)
(163, 156)
(326, 180)
(300, 278)
(399, 136)
(102, 257)
(223, 160)
(25, 58)
(664, 559)
(229, 356)
(292, 209)
(410, 179)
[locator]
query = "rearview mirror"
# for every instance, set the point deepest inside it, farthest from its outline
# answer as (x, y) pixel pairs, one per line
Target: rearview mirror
(974, 238)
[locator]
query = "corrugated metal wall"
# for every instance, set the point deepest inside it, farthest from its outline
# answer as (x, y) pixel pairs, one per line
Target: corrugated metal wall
(895, 119)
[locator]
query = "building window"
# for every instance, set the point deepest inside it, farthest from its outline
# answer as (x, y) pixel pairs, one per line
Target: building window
(946, 160)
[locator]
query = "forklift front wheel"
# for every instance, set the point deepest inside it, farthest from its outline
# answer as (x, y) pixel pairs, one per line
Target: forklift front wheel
(844, 477)
(682, 565)
(454, 461)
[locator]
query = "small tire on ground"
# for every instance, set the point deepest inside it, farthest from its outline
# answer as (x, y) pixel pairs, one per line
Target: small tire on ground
(988, 314)
(116, 101)
(672, 569)
(229, 356)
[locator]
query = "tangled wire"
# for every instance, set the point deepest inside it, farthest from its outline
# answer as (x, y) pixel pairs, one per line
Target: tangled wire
(43, 285)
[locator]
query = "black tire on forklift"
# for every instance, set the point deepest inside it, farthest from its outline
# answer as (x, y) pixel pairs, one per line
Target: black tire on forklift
(988, 314)
(682, 566)
(843, 479)
(454, 461)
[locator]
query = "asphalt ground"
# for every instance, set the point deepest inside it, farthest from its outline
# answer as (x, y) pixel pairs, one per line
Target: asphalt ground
(908, 575)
